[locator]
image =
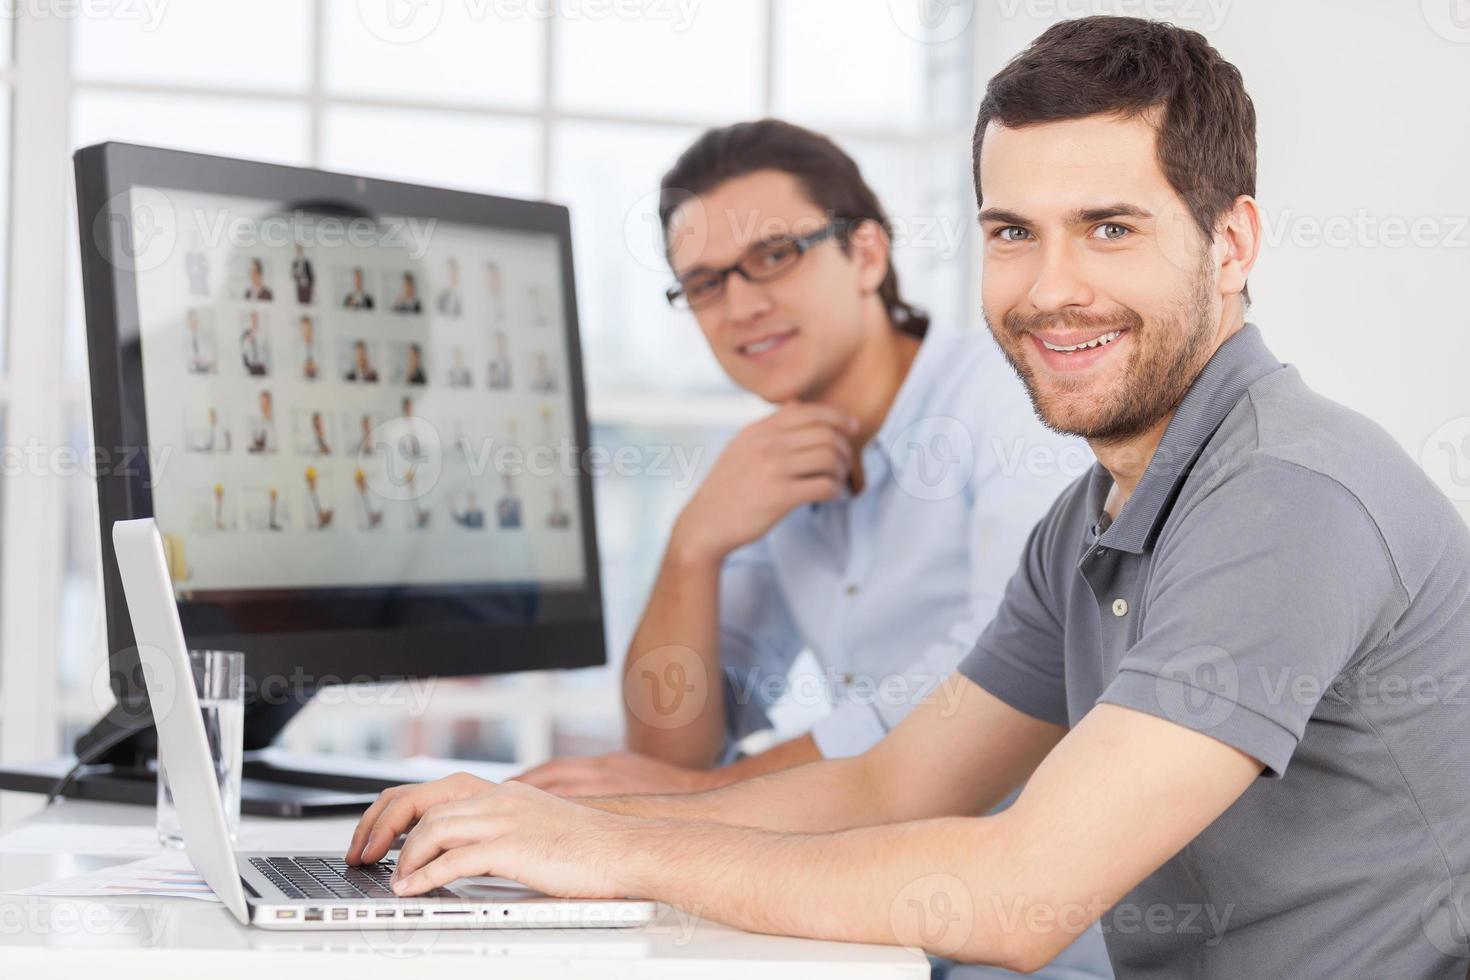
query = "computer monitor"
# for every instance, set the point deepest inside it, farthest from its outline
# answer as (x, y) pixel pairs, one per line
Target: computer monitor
(355, 408)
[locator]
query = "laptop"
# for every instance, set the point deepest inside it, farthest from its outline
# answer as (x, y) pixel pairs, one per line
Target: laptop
(312, 890)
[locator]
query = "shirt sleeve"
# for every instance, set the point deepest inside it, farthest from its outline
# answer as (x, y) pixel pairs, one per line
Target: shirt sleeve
(1018, 657)
(758, 641)
(1274, 583)
(1007, 500)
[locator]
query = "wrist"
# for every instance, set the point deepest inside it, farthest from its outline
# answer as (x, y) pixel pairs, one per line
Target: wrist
(636, 855)
(688, 552)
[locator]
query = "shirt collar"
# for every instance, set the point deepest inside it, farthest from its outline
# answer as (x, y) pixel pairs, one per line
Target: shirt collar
(907, 408)
(1240, 362)
(908, 404)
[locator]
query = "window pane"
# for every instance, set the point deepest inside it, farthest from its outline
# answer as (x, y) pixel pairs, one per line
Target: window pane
(455, 52)
(81, 629)
(275, 131)
(500, 156)
(860, 65)
(703, 61)
(4, 224)
(260, 44)
(609, 175)
(636, 508)
(74, 326)
(925, 189)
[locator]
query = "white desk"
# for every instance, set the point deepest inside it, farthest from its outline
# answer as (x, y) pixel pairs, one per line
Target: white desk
(62, 938)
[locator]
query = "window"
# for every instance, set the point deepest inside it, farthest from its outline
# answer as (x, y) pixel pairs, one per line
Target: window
(574, 106)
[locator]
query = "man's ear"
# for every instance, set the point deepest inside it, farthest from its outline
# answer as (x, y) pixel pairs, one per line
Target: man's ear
(870, 249)
(1238, 243)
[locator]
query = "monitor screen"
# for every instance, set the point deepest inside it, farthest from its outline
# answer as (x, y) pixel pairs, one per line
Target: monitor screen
(386, 408)
(355, 408)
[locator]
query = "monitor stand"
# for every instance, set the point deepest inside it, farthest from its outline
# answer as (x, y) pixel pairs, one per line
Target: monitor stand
(122, 747)
(266, 789)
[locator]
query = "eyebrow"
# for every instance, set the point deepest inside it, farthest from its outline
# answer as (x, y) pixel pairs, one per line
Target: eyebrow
(694, 270)
(1081, 216)
(705, 267)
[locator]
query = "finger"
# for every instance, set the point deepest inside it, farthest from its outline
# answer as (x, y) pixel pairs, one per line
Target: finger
(557, 769)
(542, 774)
(404, 810)
(588, 788)
(445, 811)
(814, 489)
(812, 437)
(456, 863)
(367, 820)
(822, 461)
(399, 816)
(569, 787)
(436, 834)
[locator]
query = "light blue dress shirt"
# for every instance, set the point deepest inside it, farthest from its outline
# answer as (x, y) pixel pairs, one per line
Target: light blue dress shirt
(890, 588)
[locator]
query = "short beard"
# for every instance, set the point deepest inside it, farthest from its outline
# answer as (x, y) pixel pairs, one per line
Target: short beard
(1154, 381)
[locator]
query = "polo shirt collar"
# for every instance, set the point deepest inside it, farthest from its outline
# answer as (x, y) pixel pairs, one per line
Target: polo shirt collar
(1240, 362)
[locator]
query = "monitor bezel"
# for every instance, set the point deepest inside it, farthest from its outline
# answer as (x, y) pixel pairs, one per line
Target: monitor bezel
(567, 630)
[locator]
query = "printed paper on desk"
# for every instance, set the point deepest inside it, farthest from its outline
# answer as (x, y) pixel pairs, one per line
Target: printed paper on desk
(164, 875)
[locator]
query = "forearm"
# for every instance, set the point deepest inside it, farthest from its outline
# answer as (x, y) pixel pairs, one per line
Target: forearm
(673, 697)
(943, 884)
(828, 795)
(784, 755)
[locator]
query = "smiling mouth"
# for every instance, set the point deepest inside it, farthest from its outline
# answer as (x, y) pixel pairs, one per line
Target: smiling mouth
(757, 347)
(1101, 341)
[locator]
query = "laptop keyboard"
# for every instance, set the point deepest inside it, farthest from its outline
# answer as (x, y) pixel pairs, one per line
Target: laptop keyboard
(316, 877)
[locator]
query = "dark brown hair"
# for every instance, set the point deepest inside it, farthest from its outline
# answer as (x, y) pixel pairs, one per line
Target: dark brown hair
(828, 177)
(1130, 66)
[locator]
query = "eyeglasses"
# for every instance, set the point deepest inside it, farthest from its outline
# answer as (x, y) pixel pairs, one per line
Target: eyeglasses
(764, 261)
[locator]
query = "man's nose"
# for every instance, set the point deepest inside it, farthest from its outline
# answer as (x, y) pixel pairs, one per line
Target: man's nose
(745, 300)
(1059, 283)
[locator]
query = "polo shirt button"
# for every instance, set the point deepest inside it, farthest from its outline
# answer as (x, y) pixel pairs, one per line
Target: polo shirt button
(1120, 607)
(852, 589)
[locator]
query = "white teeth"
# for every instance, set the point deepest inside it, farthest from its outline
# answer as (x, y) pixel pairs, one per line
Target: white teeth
(761, 346)
(1106, 338)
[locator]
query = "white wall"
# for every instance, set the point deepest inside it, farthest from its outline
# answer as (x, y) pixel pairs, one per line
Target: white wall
(1363, 110)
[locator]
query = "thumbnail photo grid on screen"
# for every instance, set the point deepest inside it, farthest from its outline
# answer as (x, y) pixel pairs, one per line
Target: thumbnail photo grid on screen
(364, 412)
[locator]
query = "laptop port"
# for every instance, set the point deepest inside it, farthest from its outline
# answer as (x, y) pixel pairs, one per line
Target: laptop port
(384, 914)
(285, 913)
(339, 915)
(362, 913)
(313, 915)
(413, 913)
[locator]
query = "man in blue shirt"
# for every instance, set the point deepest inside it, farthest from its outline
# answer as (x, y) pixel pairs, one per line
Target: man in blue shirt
(872, 518)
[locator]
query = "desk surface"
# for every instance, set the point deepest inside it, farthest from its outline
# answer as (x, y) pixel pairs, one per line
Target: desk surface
(165, 937)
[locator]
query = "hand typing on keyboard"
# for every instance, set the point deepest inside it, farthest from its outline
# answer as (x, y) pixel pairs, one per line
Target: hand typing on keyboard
(320, 878)
(462, 826)
(398, 808)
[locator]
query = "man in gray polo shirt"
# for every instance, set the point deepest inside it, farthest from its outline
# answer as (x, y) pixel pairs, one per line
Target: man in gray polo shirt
(1230, 670)
(1286, 581)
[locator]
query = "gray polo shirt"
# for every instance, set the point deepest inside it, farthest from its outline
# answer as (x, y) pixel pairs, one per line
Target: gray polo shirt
(1286, 580)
